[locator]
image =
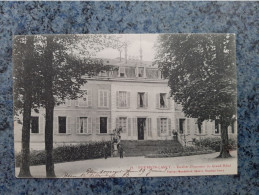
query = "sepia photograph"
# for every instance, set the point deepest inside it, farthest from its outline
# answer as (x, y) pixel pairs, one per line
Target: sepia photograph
(124, 105)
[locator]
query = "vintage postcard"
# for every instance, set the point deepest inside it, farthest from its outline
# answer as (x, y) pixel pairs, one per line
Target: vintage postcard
(124, 105)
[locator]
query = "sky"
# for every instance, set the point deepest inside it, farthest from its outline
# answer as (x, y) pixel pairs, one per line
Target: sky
(146, 41)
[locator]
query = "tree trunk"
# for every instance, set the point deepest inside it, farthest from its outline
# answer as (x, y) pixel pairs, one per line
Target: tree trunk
(27, 105)
(50, 103)
(224, 147)
(25, 155)
(49, 140)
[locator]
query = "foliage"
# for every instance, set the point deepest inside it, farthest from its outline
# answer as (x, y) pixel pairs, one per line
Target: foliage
(201, 72)
(183, 151)
(68, 153)
(72, 60)
(214, 143)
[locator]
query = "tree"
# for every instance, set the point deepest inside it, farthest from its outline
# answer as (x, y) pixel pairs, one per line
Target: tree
(58, 72)
(202, 76)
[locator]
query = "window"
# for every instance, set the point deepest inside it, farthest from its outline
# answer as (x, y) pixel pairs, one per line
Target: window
(122, 71)
(103, 124)
(83, 125)
(142, 100)
(182, 125)
(103, 98)
(163, 125)
(34, 124)
(61, 124)
(83, 101)
(162, 100)
(216, 126)
(140, 71)
(123, 99)
(122, 123)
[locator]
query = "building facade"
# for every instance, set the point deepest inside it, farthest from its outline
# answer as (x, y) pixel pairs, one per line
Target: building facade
(134, 97)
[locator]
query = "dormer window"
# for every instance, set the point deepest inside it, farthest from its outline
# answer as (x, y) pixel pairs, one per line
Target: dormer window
(140, 71)
(122, 72)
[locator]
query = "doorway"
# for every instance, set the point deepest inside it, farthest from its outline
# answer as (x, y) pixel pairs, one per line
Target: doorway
(141, 128)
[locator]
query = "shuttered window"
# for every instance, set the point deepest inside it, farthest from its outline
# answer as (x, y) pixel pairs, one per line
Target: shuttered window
(103, 98)
(123, 99)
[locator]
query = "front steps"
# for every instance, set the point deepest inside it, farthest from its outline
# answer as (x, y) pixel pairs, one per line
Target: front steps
(144, 147)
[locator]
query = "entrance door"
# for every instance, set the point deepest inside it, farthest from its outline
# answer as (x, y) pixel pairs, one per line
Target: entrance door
(141, 127)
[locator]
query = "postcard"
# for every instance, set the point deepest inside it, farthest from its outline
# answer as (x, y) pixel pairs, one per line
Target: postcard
(124, 105)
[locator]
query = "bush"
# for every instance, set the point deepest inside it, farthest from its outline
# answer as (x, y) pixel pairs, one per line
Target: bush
(68, 153)
(214, 143)
(183, 151)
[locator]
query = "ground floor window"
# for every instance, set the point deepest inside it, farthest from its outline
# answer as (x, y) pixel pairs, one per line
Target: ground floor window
(123, 124)
(62, 124)
(181, 125)
(217, 126)
(103, 124)
(34, 124)
(163, 125)
(83, 124)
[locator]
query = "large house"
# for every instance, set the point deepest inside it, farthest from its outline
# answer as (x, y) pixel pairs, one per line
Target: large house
(133, 96)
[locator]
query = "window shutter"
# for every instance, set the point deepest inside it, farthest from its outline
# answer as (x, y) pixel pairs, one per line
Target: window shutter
(109, 125)
(158, 126)
(97, 124)
(169, 127)
(99, 98)
(149, 127)
(89, 98)
(157, 100)
(128, 99)
(146, 100)
(219, 128)
(117, 123)
(177, 125)
(89, 125)
(196, 127)
(108, 99)
(188, 126)
(136, 71)
(68, 127)
(76, 102)
(55, 130)
(135, 127)
(77, 125)
(117, 99)
(138, 100)
(41, 125)
(129, 126)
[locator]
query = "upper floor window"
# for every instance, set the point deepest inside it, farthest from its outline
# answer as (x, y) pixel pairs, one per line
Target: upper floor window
(34, 124)
(103, 98)
(181, 125)
(142, 100)
(123, 99)
(86, 100)
(122, 72)
(162, 100)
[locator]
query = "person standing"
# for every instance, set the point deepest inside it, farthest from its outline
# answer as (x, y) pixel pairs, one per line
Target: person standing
(121, 151)
(105, 151)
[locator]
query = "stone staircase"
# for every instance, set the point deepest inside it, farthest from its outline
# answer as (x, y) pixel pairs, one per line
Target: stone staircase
(144, 147)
